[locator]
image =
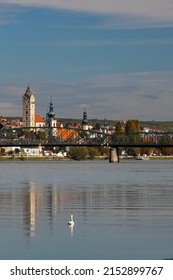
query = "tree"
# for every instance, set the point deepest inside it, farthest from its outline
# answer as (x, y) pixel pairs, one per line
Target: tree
(167, 151)
(132, 126)
(2, 151)
(118, 128)
(17, 151)
(133, 151)
(78, 153)
(41, 135)
(92, 152)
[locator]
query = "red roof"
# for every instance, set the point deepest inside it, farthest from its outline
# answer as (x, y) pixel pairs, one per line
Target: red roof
(38, 118)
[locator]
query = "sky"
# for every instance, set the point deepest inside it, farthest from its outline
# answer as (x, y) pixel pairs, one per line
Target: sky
(112, 57)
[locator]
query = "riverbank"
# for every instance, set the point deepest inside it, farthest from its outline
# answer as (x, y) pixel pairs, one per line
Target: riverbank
(160, 157)
(50, 158)
(30, 158)
(150, 157)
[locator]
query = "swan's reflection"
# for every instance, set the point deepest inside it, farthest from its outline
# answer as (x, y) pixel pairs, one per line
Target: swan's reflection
(71, 227)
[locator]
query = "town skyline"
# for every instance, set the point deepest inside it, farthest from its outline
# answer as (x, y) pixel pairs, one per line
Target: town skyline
(112, 59)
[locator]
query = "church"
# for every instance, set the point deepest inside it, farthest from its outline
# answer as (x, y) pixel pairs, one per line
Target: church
(30, 118)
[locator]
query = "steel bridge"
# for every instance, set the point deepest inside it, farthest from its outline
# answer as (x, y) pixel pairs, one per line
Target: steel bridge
(36, 136)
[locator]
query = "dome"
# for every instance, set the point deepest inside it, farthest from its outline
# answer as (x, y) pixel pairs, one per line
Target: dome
(51, 113)
(85, 120)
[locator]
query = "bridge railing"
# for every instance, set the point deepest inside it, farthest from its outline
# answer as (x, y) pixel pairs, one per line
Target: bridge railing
(142, 139)
(56, 136)
(52, 136)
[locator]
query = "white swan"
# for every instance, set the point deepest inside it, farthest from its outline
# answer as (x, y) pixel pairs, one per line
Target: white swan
(71, 222)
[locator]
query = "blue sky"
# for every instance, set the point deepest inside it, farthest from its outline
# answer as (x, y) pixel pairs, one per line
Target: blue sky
(113, 57)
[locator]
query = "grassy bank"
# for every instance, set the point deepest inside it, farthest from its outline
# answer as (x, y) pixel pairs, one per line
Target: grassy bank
(49, 158)
(6, 158)
(160, 157)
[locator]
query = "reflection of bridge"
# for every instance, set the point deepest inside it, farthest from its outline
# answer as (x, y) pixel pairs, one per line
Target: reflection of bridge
(32, 137)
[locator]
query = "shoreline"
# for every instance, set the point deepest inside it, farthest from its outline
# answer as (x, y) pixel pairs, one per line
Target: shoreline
(47, 158)
(50, 158)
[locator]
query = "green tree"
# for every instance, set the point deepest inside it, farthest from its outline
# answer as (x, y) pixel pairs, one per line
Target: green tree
(78, 153)
(133, 151)
(119, 134)
(92, 152)
(132, 126)
(118, 128)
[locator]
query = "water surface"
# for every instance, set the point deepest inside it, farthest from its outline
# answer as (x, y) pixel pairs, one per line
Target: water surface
(121, 211)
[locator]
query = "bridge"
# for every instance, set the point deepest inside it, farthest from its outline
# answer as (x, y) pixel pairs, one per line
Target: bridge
(65, 137)
(52, 136)
(32, 137)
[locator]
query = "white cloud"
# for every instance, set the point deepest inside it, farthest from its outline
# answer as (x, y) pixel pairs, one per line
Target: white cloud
(143, 96)
(156, 9)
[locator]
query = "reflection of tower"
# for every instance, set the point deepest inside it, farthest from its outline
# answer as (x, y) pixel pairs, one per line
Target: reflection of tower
(85, 121)
(28, 108)
(52, 202)
(32, 201)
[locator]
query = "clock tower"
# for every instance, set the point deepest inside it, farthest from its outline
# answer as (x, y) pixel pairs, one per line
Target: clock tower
(28, 109)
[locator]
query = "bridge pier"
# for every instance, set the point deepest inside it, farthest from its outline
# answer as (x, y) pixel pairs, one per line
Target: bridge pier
(114, 155)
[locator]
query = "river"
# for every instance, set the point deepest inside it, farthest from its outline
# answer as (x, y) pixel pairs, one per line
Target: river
(121, 211)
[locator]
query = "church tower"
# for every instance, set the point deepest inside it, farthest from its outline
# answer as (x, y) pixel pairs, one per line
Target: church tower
(51, 121)
(85, 121)
(28, 108)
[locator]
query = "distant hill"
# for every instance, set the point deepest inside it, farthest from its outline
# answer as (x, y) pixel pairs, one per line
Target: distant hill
(163, 125)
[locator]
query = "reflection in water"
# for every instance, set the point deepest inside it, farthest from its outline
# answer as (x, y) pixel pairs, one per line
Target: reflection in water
(71, 227)
(41, 202)
(32, 204)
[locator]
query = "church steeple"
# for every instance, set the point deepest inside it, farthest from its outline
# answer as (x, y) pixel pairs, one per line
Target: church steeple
(28, 108)
(85, 120)
(51, 115)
